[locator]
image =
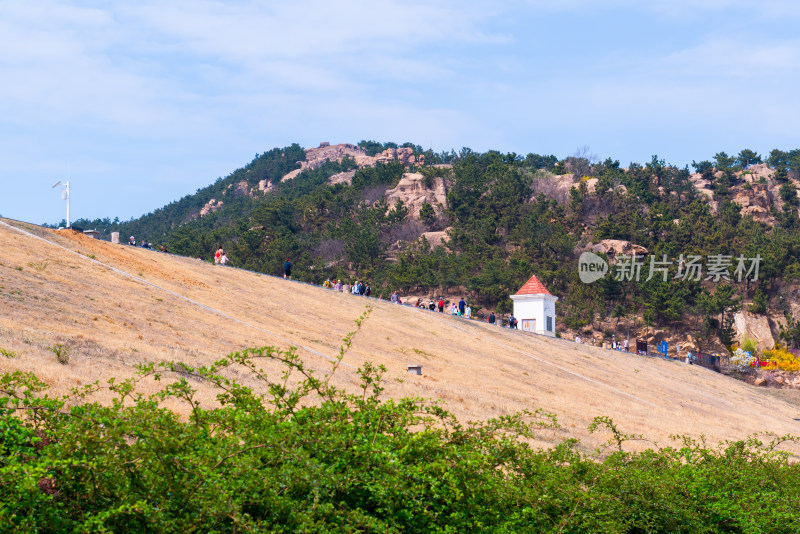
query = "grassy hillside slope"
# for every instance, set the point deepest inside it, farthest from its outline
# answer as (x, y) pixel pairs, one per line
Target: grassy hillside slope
(114, 306)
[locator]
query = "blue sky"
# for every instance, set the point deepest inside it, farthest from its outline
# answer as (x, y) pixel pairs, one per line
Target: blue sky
(140, 103)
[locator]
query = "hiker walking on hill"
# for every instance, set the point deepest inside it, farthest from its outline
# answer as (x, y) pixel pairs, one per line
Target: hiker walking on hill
(394, 298)
(492, 319)
(218, 255)
(367, 291)
(512, 321)
(462, 307)
(338, 286)
(626, 344)
(468, 313)
(287, 269)
(223, 260)
(441, 304)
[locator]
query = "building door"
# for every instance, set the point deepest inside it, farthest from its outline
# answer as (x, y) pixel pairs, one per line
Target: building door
(529, 325)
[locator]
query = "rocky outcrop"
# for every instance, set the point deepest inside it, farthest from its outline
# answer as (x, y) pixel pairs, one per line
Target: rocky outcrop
(210, 207)
(756, 201)
(616, 247)
(413, 191)
(704, 187)
(292, 174)
(264, 186)
(755, 327)
(435, 239)
(755, 190)
(342, 178)
(403, 155)
(241, 189)
(553, 186)
(775, 378)
(316, 157)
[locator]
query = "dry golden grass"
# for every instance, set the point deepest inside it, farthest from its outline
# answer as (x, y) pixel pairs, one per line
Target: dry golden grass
(188, 310)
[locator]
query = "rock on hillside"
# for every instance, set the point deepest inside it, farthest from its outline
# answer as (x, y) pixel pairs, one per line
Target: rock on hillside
(755, 327)
(413, 192)
(615, 247)
(342, 178)
(210, 207)
(435, 239)
(316, 157)
(755, 190)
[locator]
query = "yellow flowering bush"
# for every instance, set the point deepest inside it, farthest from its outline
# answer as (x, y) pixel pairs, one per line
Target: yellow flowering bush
(783, 359)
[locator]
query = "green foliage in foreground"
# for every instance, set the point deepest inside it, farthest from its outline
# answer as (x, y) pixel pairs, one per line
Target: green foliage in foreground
(294, 454)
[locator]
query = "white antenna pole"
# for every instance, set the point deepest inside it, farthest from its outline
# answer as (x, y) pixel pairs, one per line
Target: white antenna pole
(66, 190)
(64, 196)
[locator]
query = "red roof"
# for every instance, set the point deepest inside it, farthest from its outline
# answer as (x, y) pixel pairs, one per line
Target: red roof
(534, 286)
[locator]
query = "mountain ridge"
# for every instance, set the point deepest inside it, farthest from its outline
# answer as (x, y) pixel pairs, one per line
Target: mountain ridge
(428, 224)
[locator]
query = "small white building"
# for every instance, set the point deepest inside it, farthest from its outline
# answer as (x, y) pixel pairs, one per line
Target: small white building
(535, 308)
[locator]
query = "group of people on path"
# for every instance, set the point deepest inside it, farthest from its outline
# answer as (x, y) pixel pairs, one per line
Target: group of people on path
(358, 288)
(144, 244)
(615, 345)
(460, 309)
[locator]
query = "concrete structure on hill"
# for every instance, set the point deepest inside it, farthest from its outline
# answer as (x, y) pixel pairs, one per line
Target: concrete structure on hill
(535, 308)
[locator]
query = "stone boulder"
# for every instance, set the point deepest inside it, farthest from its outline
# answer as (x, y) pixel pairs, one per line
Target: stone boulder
(413, 191)
(436, 238)
(553, 186)
(755, 327)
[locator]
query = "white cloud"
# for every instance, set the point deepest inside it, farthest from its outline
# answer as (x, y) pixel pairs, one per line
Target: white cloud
(156, 91)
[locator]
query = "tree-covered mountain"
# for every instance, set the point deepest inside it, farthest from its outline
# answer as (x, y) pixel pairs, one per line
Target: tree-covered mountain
(505, 216)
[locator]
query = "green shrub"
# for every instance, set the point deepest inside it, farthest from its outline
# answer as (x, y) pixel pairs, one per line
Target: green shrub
(62, 353)
(292, 453)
